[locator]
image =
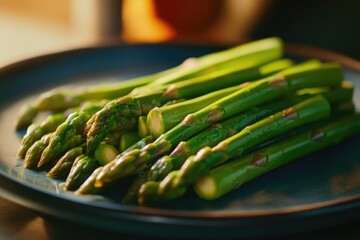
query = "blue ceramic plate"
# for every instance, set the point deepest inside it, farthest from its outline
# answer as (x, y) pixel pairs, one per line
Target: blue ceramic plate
(313, 192)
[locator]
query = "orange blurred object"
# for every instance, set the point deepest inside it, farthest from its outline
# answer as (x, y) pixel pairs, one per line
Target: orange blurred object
(212, 21)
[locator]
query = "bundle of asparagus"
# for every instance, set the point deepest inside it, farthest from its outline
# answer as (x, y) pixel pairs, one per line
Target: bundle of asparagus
(214, 123)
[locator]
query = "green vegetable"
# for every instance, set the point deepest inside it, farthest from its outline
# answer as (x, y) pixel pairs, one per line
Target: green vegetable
(26, 116)
(143, 130)
(175, 182)
(128, 139)
(82, 168)
(32, 156)
(220, 131)
(36, 131)
(114, 115)
(64, 138)
(233, 175)
(105, 153)
(88, 187)
(63, 166)
(256, 93)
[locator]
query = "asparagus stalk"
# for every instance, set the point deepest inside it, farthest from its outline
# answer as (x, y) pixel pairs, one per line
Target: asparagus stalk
(175, 183)
(255, 94)
(82, 168)
(230, 176)
(88, 187)
(105, 153)
(113, 139)
(143, 130)
(58, 100)
(220, 131)
(32, 156)
(113, 116)
(63, 166)
(128, 139)
(160, 120)
(307, 111)
(265, 50)
(26, 116)
(209, 137)
(36, 131)
(62, 139)
(33, 133)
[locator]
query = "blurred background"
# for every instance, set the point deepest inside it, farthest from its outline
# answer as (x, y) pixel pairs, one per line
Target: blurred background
(35, 27)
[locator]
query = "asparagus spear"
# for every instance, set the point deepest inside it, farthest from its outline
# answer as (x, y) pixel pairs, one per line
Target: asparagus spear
(33, 155)
(209, 137)
(218, 132)
(114, 115)
(175, 183)
(128, 139)
(113, 139)
(256, 93)
(36, 131)
(58, 100)
(143, 130)
(63, 166)
(88, 187)
(26, 116)
(82, 168)
(266, 49)
(160, 120)
(73, 125)
(33, 133)
(105, 153)
(307, 111)
(230, 176)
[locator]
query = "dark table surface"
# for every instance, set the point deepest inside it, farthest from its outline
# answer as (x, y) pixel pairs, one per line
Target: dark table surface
(17, 222)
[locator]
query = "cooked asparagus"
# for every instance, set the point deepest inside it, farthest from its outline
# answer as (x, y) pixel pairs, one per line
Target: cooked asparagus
(176, 182)
(256, 93)
(233, 175)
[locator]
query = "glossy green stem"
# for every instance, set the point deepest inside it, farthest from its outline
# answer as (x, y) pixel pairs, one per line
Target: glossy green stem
(58, 100)
(36, 131)
(255, 94)
(82, 168)
(32, 156)
(233, 175)
(338, 97)
(143, 130)
(300, 114)
(113, 117)
(88, 187)
(63, 166)
(264, 50)
(307, 111)
(208, 137)
(26, 116)
(128, 139)
(160, 120)
(64, 136)
(105, 153)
